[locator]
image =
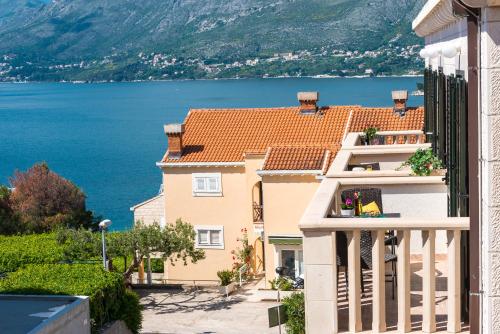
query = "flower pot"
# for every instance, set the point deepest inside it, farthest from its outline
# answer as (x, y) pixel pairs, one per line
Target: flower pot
(227, 289)
(438, 172)
(347, 213)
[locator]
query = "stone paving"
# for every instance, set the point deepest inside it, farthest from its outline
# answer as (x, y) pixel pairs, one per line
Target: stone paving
(203, 311)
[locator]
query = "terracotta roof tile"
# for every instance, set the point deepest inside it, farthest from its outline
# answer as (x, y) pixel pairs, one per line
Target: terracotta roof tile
(224, 135)
(385, 119)
(296, 158)
(296, 141)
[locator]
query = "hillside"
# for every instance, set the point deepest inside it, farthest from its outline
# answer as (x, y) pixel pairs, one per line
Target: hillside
(129, 39)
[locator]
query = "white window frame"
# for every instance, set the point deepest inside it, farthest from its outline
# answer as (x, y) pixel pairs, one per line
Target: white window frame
(206, 177)
(210, 228)
(296, 249)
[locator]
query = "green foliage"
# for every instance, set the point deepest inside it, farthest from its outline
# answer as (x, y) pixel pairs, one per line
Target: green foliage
(9, 222)
(130, 311)
(126, 249)
(225, 276)
(79, 244)
(242, 255)
(283, 283)
(295, 310)
(106, 290)
(157, 265)
(369, 134)
(423, 162)
(18, 251)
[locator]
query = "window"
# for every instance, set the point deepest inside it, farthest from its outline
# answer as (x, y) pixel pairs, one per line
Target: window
(291, 257)
(207, 184)
(209, 236)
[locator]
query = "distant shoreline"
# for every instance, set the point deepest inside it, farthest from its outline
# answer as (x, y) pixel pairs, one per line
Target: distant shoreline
(319, 76)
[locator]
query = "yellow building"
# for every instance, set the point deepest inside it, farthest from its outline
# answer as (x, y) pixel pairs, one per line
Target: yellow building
(256, 169)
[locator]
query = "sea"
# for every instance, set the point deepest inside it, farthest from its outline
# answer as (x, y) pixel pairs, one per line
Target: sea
(107, 137)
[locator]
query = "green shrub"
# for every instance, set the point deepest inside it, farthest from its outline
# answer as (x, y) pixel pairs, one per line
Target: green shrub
(283, 283)
(225, 276)
(157, 265)
(109, 299)
(130, 311)
(294, 306)
(18, 251)
(423, 162)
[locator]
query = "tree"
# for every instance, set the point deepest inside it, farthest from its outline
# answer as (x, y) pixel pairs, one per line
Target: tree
(8, 220)
(174, 242)
(44, 200)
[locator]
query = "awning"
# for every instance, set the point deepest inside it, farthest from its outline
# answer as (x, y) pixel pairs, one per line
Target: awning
(284, 240)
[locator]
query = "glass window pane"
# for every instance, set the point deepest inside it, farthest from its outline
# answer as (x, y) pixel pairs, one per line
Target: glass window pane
(215, 237)
(288, 261)
(212, 184)
(200, 184)
(202, 237)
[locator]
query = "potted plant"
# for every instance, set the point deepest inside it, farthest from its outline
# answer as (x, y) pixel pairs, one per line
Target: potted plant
(347, 208)
(226, 282)
(424, 163)
(369, 135)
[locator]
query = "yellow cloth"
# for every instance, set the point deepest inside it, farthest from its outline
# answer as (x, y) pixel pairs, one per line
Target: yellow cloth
(371, 208)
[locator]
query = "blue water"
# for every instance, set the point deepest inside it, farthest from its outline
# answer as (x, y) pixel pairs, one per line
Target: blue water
(106, 138)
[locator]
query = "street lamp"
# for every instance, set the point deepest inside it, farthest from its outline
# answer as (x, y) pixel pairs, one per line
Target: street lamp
(103, 226)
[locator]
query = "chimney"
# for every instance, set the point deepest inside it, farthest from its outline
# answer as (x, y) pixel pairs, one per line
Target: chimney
(308, 102)
(174, 133)
(400, 97)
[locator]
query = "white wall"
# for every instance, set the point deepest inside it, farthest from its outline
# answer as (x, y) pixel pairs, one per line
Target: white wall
(416, 201)
(455, 34)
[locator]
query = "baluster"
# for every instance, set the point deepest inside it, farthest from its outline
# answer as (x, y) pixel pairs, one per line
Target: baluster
(353, 239)
(378, 297)
(429, 281)
(454, 325)
(404, 296)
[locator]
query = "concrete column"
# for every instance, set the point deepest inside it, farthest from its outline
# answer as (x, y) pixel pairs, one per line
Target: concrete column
(490, 168)
(320, 262)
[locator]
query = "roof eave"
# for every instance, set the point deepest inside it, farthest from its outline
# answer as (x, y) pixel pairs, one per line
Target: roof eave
(288, 172)
(434, 16)
(201, 164)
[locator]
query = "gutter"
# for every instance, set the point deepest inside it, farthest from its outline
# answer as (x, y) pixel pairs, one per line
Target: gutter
(289, 172)
(473, 93)
(200, 164)
(474, 148)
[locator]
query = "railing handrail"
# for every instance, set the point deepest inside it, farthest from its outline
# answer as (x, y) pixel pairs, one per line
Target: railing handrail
(349, 224)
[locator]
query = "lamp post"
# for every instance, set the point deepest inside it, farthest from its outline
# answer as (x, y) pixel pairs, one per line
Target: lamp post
(103, 226)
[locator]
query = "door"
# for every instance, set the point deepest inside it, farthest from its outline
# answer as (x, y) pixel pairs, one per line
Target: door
(288, 261)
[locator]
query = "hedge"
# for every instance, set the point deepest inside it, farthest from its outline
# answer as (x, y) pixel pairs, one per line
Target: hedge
(109, 299)
(18, 251)
(295, 310)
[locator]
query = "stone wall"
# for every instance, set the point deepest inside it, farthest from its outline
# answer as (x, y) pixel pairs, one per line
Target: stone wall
(150, 211)
(490, 168)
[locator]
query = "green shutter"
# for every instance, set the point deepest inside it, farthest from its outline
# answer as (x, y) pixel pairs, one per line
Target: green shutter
(285, 240)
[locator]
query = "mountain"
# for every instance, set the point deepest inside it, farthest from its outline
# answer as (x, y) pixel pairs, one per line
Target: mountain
(191, 36)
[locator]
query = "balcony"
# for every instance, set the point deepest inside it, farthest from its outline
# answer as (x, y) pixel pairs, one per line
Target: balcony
(258, 213)
(425, 250)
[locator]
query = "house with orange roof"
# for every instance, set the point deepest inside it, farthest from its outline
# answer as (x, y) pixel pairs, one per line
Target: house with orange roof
(227, 170)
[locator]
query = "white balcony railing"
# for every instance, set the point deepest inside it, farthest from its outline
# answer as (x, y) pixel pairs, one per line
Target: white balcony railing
(421, 203)
(320, 254)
